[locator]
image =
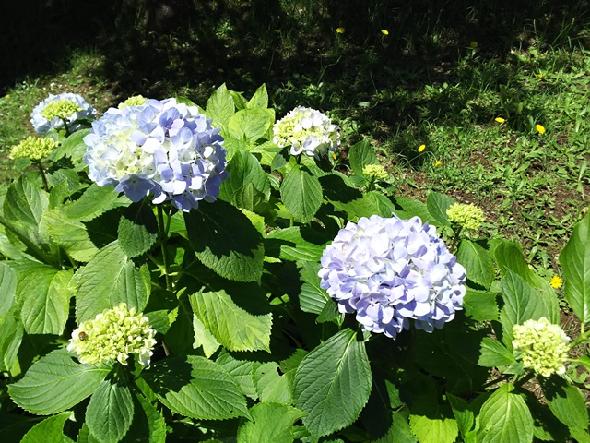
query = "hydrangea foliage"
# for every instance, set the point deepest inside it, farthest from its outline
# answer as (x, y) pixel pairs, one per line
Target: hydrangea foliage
(59, 111)
(467, 216)
(389, 271)
(111, 336)
(542, 346)
(306, 130)
(33, 148)
(163, 148)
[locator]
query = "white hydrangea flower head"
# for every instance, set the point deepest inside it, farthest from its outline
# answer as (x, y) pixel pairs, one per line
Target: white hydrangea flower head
(375, 171)
(33, 148)
(111, 336)
(57, 111)
(542, 346)
(306, 130)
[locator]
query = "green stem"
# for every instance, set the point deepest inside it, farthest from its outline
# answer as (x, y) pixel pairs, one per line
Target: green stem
(584, 336)
(43, 177)
(163, 237)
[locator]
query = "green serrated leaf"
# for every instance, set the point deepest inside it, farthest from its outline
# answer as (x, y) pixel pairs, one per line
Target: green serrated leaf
(270, 386)
(504, 418)
(433, 430)
(232, 326)
(270, 422)
(292, 246)
(8, 283)
(247, 184)
(220, 106)
(138, 230)
(567, 403)
(334, 399)
(242, 371)
(250, 124)
(93, 202)
(11, 335)
(108, 279)
(523, 302)
(110, 411)
(197, 387)
(72, 147)
(25, 202)
(259, 99)
(437, 205)
(44, 296)
(55, 383)
(225, 241)
(481, 306)
(204, 338)
(70, 234)
(148, 422)
(312, 298)
(49, 430)
(575, 262)
(360, 155)
(477, 262)
(302, 194)
(413, 208)
(494, 354)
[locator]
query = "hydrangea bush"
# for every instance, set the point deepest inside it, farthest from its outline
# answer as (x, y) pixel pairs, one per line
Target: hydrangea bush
(183, 273)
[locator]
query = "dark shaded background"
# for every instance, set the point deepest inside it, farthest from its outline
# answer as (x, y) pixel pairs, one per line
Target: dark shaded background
(155, 46)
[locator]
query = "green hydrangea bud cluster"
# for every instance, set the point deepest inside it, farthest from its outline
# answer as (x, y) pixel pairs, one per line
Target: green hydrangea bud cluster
(136, 100)
(111, 336)
(467, 216)
(376, 171)
(61, 109)
(33, 148)
(541, 346)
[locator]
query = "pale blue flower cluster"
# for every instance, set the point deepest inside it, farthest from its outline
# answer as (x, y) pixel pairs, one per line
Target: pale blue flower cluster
(389, 271)
(62, 109)
(162, 148)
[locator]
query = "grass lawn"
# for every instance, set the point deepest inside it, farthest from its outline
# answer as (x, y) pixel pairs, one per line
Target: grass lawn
(532, 186)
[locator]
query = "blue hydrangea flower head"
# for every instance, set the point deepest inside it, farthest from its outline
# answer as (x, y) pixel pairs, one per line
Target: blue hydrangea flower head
(162, 148)
(389, 271)
(58, 110)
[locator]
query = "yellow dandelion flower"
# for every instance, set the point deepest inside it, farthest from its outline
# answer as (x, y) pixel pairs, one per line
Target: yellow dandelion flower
(437, 163)
(385, 31)
(340, 30)
(556, 282)
(500, 120)
(540, 129)
(421, 148)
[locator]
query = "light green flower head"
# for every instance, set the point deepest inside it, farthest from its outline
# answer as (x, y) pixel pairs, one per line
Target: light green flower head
(541, 346)
(111, 336)
(62, 109)
(467, 216)
(33, 148)
(376, 171)
(136, 100)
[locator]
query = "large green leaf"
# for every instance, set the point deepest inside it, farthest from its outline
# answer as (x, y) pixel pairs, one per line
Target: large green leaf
(8, 281)
(477, 262)
(292, 246)
(360, 155)
(49, 430)
(413, 208)
(25, 202)
(232, 326)
(272, 422)
(225, 241)
(220, 106)
(438, 204)
(302, 194)
(434, 430)
(55, 383)
(523, 302)
(110, 411)
(72, 147)
(312, 297)
(196, 387)
(567, 403)
(44, 295)
(259, 99)
(270, 386)
(108, 279)
(242, 371)
(70, 234)
(94, 201)
(250, 124)
(504, 418)
(247, 184)
(138, 230)
(575, 262)
(494, 354)
(370, 203)
(481, 306)
(333, 383)
(11, 335)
